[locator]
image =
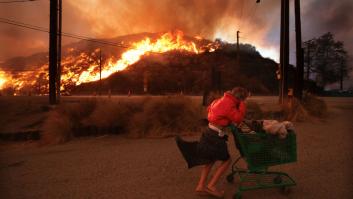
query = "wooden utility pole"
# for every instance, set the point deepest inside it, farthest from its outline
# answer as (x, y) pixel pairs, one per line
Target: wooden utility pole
(281, 55)
(284, 50)
(53, 50)
(58, 80)
(299, 80)
(238, 55)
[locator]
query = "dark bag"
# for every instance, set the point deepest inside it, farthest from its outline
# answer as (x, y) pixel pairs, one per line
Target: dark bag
(189, 150)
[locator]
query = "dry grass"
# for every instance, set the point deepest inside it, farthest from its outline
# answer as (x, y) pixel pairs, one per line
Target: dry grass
(109, 113)
(315, 106)
(253, 110)
(152, 116)
(144, 117)
(56, 129)
(311, 107)
(59, 125)
(295, 112)
(166, 116)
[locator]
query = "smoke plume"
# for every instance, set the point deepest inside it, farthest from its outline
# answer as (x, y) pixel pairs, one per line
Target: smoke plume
(258, 22)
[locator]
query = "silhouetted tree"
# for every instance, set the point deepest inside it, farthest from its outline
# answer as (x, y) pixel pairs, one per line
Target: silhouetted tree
(326, 60)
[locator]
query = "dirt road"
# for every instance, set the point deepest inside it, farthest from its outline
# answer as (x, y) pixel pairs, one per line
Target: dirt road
(116, 167)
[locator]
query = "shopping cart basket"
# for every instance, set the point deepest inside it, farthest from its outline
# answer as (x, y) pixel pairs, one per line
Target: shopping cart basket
(260, 151)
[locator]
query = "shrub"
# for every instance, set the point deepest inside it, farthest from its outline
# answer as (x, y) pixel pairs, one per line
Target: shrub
(59, 125)
(141, 117)
(57, 128)
(253, 110)
(314, 105)
(166, 116)
(108, 113)
(310, 106)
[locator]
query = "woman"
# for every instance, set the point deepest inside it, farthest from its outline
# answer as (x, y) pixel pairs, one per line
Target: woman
(212, 146)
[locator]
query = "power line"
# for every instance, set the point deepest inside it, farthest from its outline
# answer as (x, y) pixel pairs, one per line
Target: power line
(18, 1)
(70, 35)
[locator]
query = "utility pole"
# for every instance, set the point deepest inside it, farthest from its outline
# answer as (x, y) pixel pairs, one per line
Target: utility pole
(100, 71)
(281, 55)
(53, 50)
(300, 53)
(58, 83)
(284, 50)
(238, 48)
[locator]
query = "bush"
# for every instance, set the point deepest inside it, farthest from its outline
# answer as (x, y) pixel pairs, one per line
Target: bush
(57, 128)
(315, 106)
(253, 111)
(166, 116)
(310, 106)
(295, 111)
(59, 125)
(109, 113)
(141, 117)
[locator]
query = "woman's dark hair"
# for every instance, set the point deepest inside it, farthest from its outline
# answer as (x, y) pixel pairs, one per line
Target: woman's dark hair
(240, 93)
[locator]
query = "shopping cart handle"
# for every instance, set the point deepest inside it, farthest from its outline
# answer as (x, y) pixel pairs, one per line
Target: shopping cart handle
(233, 128)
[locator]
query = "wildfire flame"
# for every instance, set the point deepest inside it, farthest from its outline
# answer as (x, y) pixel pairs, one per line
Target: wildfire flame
(3, 79)
(167, 42)
(82, 69)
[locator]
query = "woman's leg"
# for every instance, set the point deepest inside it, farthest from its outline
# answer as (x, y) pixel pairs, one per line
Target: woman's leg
(218, 173)
(204, 174)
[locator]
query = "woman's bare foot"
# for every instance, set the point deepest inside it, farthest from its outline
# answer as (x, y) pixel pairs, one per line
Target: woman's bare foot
(201, 191)
(214, 192)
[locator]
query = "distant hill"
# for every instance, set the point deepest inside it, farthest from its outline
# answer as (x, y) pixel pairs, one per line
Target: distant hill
(166, 73)
(176, 72)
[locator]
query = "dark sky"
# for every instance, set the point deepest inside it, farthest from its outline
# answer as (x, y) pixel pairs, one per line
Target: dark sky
(258, 23)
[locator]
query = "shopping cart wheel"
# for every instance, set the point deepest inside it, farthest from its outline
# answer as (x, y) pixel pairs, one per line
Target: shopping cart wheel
(237, 196)
(277, 180)
(230, 178)
(285, 190)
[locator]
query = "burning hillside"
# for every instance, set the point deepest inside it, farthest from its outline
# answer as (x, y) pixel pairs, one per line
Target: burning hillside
(82, 66)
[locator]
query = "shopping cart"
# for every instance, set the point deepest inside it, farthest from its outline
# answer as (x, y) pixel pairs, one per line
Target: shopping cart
(260, 151)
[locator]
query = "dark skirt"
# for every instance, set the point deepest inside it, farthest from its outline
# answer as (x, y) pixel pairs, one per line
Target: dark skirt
(209, 149)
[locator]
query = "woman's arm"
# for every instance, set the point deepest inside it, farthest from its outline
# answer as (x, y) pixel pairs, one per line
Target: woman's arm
(237, 115)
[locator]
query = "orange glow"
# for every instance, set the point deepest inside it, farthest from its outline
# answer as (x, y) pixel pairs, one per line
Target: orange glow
(167, 42)
(82, 67)
(198, 37)
(3, 79)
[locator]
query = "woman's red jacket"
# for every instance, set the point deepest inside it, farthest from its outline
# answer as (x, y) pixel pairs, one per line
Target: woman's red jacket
(226, 110)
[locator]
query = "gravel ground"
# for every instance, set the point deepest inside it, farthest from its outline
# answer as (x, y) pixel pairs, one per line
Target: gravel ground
(116, 167)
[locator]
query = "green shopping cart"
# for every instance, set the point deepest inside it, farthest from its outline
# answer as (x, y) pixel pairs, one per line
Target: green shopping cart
(260, 151)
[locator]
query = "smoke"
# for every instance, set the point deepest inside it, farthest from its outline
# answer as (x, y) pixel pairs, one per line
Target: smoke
(321, 16)
(329, 16)
(208, 18)
(205, 18)
(258, 23)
